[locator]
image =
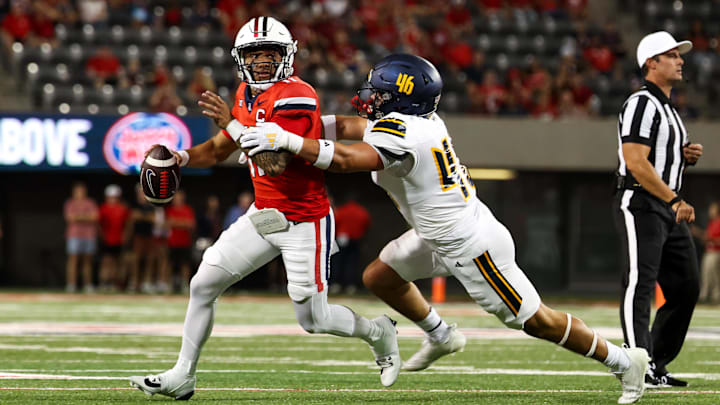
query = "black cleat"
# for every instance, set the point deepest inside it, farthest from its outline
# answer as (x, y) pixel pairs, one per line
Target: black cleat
(667, 380)
(651, 382)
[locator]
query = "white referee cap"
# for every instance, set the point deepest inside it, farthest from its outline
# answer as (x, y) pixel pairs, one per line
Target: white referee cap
(658, 43)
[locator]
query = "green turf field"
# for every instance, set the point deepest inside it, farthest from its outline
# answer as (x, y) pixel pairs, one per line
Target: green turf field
(76, 349)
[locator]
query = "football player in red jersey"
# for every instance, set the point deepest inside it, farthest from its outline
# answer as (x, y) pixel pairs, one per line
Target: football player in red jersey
(291, 215)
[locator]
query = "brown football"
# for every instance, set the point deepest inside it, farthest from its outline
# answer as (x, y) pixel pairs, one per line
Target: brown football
(159, 175)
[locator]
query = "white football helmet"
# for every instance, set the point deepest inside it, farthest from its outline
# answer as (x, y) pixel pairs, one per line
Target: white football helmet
(264, 31)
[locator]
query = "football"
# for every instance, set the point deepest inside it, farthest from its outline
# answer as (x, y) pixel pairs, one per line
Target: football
(159, 175)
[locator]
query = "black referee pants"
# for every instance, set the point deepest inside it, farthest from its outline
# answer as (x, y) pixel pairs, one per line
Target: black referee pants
(655, 248)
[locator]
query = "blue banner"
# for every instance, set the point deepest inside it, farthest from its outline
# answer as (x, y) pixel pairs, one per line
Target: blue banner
(52, 142)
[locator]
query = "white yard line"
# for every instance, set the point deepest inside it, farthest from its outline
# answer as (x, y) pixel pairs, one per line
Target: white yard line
(430, 391)
(41, 374)
(175, 329)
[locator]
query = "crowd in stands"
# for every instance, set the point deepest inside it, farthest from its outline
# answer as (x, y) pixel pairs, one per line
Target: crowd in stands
(125, 244)
(543, 58)
(138, 247)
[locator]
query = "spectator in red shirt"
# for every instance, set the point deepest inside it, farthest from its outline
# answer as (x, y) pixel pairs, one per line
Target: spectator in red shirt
(232, 22)
(385, 33)
(459, 17)
(16, 26)
(698, 36)
(492, 6)
(342, 50)
(459, 54)
(200, 82)
(576, 9)
(228, 14)
(173, 13)
(352, 221)
(412, 38)
(181, 225)
(114, 221)
(81, 217)
(567, 108)
(165, 98)
(710, 289)
(599, 55)
(544, 108)
(489, 96)
(103, 67)
(582, 94)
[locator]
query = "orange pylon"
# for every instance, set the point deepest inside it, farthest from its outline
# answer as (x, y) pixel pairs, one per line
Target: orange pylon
(438, 290)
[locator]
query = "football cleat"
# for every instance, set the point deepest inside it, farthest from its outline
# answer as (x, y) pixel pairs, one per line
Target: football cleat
(651, 382)
(170, 383)
(431, 351)
(669, 380)
(633, 379)
(387, 353)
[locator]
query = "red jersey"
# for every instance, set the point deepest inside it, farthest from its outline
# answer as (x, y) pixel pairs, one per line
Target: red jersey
(113, 218)
(180, 236)
(352, 220)
(713, 233)
(299, 192)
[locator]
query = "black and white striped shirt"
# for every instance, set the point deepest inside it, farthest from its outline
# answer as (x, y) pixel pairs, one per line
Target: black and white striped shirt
(648, 117)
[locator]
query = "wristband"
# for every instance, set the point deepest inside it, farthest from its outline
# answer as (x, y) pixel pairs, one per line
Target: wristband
(330, 126)
(294, 143)
(184, 158)
(325, 155)
(235, 129)
(672, 202)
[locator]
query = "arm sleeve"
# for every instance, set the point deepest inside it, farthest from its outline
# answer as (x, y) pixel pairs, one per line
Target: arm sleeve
(392, 148)
(295, 109)
(640, 121)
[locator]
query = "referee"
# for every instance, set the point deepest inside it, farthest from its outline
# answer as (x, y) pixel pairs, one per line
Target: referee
(651, 217)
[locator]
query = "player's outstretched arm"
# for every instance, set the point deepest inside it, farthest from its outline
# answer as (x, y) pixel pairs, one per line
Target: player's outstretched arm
(344, 127)
(208, 153)
(323, 153)
(358, 157)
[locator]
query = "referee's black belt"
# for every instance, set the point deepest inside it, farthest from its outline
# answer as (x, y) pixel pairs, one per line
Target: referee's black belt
(626, 183)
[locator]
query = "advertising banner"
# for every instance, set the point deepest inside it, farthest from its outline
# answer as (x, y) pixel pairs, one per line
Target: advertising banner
(30, 142)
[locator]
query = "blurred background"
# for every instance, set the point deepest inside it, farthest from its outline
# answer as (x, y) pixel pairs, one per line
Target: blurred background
(532, 89)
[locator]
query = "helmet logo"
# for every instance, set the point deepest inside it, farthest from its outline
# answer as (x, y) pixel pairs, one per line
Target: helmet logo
(405, 83)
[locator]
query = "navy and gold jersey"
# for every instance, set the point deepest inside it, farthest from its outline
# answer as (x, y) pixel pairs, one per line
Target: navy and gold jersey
(425, 178)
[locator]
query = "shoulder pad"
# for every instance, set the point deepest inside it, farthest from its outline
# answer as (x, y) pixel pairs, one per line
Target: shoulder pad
(392, 126)
(296, 95)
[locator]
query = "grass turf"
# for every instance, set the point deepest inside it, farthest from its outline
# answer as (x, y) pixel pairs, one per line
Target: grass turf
(92, 367)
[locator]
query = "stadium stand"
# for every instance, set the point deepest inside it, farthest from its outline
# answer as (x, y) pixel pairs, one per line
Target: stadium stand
(518, 57)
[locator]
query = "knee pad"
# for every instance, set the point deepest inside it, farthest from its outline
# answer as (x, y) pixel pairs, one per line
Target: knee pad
(315, 315)
(210, 281)
(302, 283)
(311, 314)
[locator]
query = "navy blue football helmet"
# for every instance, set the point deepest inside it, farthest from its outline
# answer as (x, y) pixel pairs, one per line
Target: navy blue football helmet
(400, 82)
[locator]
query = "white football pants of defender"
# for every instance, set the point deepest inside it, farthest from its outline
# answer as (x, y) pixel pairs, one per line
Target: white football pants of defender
(305, 248)
(489, 274)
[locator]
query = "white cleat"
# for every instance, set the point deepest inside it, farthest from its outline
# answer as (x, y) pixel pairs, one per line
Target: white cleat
(633, 379)
(170, 383)
(431, 351)
(387, 353)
